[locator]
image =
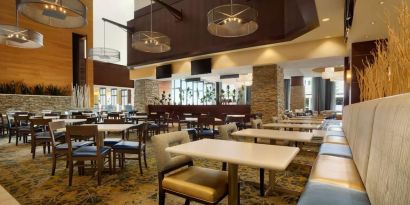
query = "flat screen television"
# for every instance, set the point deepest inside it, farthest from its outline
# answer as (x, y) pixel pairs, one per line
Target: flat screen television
(164, 71)
(202, 66)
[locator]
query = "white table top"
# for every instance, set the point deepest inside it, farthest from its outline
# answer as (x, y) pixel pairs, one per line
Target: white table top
(195, 119)
(324, 133)
(138, 117)
(6, 198)
(51, 117)
(299, 121)
(289, 125)
(108, 127)
(235, 115)
(242, 153)
(70, 121)
(275, 134)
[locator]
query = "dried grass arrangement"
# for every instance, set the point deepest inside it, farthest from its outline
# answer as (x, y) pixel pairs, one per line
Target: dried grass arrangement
(80, 97)
(389, 74)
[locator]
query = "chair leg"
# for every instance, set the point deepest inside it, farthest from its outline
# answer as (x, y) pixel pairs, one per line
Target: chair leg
(187, 201)
(70, 172)
(110, 162)
(17, 138)
(114, 161)
(53, 168)
(139, 162)
(145, 159)
(223, 166)
(10, 137)
(262, 182)
(99, 170)
(161, 197)
(33, 149)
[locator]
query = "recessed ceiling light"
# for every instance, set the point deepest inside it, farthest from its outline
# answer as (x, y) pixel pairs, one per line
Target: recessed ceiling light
(327, 36)
(326, 19)
(366, 36)
(381, 2)
(372, 22)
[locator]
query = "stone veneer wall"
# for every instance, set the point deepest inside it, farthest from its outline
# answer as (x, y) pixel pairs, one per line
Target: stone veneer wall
(297, 97)
(34, 103)
(268, 91)
(145, 92)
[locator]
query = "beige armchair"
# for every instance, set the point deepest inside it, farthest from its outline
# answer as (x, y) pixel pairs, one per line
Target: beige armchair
(203, 185)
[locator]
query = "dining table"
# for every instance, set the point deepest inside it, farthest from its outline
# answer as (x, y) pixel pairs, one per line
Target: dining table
(301, 121)
(291, 126)
(235, 153)
(71, 121)
(104, 128)
(273, 136)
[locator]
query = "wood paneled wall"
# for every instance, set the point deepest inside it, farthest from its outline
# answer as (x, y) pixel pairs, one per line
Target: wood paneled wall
(51, 64)
(112, 75)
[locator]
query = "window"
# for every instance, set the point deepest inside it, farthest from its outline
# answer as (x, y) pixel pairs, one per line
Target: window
(103, 100)
(191, 93)
(308, 93)
(113, 96)
(124, 97)
(339, 95)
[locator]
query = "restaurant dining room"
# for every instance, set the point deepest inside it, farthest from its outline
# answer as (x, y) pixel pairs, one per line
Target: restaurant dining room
(168, 102)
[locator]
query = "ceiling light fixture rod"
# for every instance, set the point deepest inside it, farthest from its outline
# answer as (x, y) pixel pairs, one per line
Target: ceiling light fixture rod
(129, 29)
(175, 12)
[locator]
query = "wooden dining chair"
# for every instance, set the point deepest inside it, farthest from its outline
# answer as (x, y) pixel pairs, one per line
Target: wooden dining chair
(178, 176)
(109, 141)
(59, 146)
(113, 116)
(40, 135)
(97, 152)
(21, 123)
(11, 127)
(206, 127)
(3, 125)
(130, 147)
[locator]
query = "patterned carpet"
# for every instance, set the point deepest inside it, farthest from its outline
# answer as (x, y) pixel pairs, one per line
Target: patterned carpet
(30, 182)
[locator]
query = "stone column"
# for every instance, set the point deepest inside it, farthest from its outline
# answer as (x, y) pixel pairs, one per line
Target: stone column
(297, 93)
(268, 91)
(145, 93)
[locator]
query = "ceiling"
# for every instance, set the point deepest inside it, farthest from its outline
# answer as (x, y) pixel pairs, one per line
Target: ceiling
(373, 25)
(331, 9)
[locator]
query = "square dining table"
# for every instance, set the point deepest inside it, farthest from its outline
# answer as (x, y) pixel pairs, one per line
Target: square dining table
(238, 153)
(299, 121)
(291, 126)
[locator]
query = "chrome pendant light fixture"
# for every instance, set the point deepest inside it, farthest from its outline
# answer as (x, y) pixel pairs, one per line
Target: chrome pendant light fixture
(106, 55)
(16, 36)
(150, 41)
(55, 13)
(232, 20)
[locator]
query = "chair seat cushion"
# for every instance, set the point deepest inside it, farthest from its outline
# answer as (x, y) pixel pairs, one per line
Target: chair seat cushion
(338, 171)
(206, 133)
(75, 145)
(318, 193)
(42, 135)
(127, 145)
(153, 126)
(111, 141)
(335, 140)
(338, 150)
(191, 131)
(197, 182)
(89, 151)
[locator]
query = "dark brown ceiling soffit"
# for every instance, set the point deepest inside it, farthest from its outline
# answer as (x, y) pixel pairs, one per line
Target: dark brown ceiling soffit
(177, 14)
(279, 21)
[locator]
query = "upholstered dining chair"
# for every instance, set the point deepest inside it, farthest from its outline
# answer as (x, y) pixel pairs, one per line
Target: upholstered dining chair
(11, 127)
(3, 125)
(110, 141)
(97, 152)
(59, 146)
(131, 147)
(178, 176)
(225, 132)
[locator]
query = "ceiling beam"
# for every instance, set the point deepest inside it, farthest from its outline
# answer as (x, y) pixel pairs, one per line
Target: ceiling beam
(175, 12)
(128, 29)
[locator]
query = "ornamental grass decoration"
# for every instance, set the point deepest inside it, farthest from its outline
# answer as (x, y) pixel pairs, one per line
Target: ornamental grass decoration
(389, 73)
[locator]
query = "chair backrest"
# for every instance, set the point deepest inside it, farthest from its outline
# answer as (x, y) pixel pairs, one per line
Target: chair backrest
(226, 130)
(82, 132)
(53, 127)
(257, 123)
(206, 122)
(164, 159)
(36, 123)
(21, 120)
(230, 119)
(388, 173)
(1, 119)
(113, 121)
(113, 116)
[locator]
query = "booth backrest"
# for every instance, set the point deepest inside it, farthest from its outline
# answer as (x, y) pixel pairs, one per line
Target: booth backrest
(346, 118)
(353, 124)
(363, 136)
(388, 173)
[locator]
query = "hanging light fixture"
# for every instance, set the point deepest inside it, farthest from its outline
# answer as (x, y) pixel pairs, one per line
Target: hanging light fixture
(150, 41)
(55, 13)
(232, 20)
(328, 73)
(106, 55)
(16, 36)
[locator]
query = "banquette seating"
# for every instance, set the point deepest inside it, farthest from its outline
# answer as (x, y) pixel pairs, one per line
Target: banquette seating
(373, 167)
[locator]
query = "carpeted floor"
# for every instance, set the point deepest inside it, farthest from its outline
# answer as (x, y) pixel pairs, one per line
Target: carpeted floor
(30, 182)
